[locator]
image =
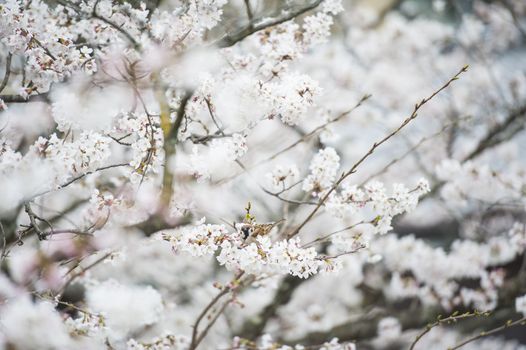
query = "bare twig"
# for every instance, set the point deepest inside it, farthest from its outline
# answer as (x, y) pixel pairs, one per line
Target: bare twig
(508, 324)
(46, 50)
(440, 321)
(21, 99)
(83, 270)
(405, 154)
(212, 322)
(501, 132)
(119, 139)
(91, 172)
(196, 337)
(304, 137)
(316, 130)
(290, 201)
(327, 236)
(33, 220)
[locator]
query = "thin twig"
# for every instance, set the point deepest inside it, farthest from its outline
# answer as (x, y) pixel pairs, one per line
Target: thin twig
(203, 313)
(197, 338)
(316, 130)
(453, 318)
(408, 152)
(508, 324)
(290, 201)
(91, 172)
(212, 322)
(83, 270)
(304, 137)
(323, 238)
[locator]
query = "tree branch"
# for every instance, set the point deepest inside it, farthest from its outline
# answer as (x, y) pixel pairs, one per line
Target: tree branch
(4, 82)
(262, 23)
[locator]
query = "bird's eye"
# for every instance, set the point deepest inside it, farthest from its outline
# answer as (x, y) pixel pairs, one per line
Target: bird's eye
(246, 230)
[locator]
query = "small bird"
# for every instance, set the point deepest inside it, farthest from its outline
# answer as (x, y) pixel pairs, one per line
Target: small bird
(251, 230)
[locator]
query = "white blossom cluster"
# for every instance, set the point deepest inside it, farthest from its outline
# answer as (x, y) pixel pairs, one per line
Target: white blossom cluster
(199, 240)
(323, 170)
(68, 159)
(292, 97)
(351, 199)
(267, 343)
(265, 257)
(283, 176)
(261, 257)
(88, 324)
(59, 161)
(186, 23)
(478, 182)
(48, 47)
(145, 139)
(166, 342)
(434, 275)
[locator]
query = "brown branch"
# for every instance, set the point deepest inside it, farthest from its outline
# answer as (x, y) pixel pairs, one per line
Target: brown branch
(7, 72)
(290, 201)
(501, 132)
(21, 99)
(447, 320)
(128, 36)
(33, 220)
(305, 137)
(405, 154)
(317, 129)
(196, 337)
(5, 251)
(248, 8)
(253, 327)
(211, 323)
(169, 144)
(324, 238)
(119, 139)
(94, 14)
(213, 117)
(508, 324)
(46, 50)
(263, 23)
(203, 313)
(91, 172)
(83, 270)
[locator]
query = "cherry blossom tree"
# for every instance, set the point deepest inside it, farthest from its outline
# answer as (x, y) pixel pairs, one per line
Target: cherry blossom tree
(261, 175)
